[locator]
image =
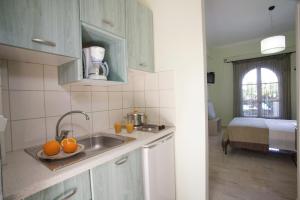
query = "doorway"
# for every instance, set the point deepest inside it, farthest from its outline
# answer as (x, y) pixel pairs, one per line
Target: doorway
(242, 173)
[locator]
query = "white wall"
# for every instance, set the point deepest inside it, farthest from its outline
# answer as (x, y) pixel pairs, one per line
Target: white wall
(221, 93)
(179, 46)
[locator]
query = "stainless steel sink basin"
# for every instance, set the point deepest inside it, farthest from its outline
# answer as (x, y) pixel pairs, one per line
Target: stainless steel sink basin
(94, 145)
(99, 142)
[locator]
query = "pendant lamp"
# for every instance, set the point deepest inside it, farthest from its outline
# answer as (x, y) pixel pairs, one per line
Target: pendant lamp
(273, 44)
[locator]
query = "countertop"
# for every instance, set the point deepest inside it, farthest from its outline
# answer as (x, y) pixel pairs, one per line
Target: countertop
(24, 176)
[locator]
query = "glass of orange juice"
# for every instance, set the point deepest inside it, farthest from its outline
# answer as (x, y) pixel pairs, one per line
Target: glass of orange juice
(118, 127)
(129, 126)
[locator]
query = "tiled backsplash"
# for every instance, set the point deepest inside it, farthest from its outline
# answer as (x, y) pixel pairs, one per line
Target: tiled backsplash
(33, 101)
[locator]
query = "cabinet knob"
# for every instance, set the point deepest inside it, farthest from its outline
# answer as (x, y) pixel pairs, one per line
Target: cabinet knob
(143, 64)
(45, 42)
(104, 21)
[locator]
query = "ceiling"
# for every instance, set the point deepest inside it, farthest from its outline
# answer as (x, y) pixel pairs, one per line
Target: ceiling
(232, 21)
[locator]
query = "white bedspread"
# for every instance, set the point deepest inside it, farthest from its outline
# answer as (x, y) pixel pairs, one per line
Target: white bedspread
(281, 134)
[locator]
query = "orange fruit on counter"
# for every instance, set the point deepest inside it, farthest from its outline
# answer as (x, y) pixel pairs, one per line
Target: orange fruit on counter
(69, 145)
(51, 148)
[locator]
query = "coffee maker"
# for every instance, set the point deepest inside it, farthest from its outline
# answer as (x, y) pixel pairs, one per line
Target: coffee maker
(93, 64)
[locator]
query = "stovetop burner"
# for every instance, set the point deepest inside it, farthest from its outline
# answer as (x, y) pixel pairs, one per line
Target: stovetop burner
(151, 128)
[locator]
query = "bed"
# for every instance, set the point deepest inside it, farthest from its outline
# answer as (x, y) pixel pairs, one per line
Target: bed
(260, 134)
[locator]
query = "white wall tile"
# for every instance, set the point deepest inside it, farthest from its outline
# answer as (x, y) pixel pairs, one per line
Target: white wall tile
(139, 82)
(100, 121)
(99, 101)
(167, 116)
(115, 100)
(152, 115)
(126, 111)
(115, 116)
(151, 81)
(115, 88)
(81, 101)
(128, 100)
(140, 109)
(4, 74)
(65, 124)
(25, 76)
(27, 133)
(81, 88)
(57, 103)
(167, 98)
(51, 79)
(5, 104)
(139, 99)
(129, 85)
(152, 98)
(27, 104)
(166, 80)
(81, 126)
(99, 88)
(8, 137)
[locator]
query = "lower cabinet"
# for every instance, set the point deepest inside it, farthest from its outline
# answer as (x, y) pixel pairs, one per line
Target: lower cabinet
(120, 179)
(75, 188)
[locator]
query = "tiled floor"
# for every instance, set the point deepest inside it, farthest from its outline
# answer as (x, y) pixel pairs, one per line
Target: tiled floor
(247, 175)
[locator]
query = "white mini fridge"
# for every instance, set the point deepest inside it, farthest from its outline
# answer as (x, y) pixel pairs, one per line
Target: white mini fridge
(159, 169)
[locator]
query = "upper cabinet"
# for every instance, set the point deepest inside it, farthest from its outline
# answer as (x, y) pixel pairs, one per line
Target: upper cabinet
(50, 26)
(108, 15)
(139, 35)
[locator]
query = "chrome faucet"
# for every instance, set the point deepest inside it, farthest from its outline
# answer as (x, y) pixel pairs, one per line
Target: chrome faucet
(64, 133)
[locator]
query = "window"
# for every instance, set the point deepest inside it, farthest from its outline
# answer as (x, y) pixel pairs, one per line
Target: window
(260, 94)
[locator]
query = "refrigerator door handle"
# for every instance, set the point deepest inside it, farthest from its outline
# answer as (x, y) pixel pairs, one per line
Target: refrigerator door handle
(158, 141)
(151, 146)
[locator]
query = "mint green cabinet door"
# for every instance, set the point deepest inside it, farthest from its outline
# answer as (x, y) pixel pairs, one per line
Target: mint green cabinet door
(139, 35)
(76, 188)
(108, 15)
(102, 182)
(132, 33)
(146, 41)
(128, 177)
(120, 179)
(45, 25)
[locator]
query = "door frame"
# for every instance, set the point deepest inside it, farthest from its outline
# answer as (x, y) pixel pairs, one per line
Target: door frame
(298, 94)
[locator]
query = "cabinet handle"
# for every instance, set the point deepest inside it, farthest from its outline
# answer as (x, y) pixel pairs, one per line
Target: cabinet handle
(104, 21)
(121, 161)
(67, 195)
(45, 42)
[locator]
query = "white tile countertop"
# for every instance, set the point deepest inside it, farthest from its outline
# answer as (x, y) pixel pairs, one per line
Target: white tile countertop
(24, 176)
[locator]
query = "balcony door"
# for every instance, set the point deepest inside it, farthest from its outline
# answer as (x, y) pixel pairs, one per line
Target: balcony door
(260, 94)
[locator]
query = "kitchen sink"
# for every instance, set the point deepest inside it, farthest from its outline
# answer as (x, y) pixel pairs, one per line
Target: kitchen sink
(99, 142)
(94, 145)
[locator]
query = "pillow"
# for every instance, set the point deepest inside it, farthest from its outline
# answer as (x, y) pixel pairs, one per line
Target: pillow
(211, 111)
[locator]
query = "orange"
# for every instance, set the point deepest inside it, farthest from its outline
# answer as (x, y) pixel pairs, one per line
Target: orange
(68, 140)
(51, 148)
(69, 145)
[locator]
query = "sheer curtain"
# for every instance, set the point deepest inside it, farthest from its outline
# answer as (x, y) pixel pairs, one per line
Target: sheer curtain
(280, 65)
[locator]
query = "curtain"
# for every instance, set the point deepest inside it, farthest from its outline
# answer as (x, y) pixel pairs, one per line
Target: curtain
(280, 64)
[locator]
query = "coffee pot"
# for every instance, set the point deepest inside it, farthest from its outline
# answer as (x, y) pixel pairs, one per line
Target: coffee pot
(93, 64)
